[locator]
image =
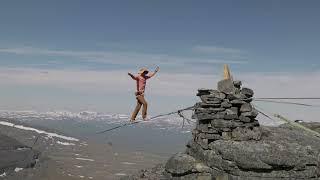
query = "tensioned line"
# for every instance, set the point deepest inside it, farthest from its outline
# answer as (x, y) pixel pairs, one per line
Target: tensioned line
(302, 98)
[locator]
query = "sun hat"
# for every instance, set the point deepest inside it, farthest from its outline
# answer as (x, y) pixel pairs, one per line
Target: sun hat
(142, 70)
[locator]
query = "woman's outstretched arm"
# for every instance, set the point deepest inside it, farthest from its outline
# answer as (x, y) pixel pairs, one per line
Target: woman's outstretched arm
(132, 76)
(154, 73)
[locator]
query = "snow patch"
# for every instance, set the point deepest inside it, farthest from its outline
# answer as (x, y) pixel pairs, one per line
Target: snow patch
(65, 143)
(84, 143)
(50, 135)
(128, 163)
(172, 122)
(85, 159)
(120, 174)
(185, 132)
(23, 149)
(18, 169)
(3, 175)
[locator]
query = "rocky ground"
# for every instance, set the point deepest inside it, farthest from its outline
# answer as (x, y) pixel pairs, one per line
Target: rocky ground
(51, 158)
(228, 143)
(282, 149)
(15, 156)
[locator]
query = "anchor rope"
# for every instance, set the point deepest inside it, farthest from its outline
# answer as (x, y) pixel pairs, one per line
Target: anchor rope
(285, 102)
(284, 98)
(179, 112)
(291, 123)
(184, 119)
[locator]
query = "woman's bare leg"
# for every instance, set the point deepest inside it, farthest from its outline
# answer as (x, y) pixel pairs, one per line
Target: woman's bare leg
(136, 110)
(144, 103)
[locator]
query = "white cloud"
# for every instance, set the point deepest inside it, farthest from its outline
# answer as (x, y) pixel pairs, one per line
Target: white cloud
(121, 58)
(265, 84)
(101, 81)
(286, 85)
(216, 50)
(178, 85)
(279, 84)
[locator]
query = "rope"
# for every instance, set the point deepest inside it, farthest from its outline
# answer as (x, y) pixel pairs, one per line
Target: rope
(289, 98)
(291, 123)
(179, 112)
(297, 125)
(154, 117)
(264, 114)
(284, 102)
(35, 141)
(184, 119)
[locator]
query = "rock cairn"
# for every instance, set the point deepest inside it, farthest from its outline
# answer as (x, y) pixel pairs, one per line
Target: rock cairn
(225, 114)
(230, 141)
(229, 144)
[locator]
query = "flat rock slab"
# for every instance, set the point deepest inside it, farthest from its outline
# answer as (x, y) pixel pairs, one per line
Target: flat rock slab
(7, 143)
(13, 155)
(281, 153)
(158, 172)
(315, 126)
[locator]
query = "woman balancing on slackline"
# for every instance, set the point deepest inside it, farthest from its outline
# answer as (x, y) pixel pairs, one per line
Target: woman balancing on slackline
(141, 80)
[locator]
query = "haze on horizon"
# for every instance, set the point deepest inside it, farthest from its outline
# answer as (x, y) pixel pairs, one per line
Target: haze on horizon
(74, 55)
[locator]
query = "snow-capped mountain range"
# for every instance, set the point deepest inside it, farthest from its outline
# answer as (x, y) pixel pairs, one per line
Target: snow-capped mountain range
(89, 116)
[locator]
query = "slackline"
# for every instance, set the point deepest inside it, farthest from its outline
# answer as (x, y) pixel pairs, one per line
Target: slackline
(154, 117)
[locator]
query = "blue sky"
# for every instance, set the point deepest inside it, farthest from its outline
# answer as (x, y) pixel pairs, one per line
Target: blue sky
(75, 54)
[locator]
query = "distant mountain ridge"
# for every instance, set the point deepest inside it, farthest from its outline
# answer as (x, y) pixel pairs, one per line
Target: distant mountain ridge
(89, 116)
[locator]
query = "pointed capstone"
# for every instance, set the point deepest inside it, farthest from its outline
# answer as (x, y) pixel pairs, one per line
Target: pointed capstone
(226, 86)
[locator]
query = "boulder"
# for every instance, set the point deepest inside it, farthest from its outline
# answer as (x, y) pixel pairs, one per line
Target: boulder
(247, 92)
(203, 91)
(219, 115)
(221, 123)
(195, 176)
(246, 134)
(158, 172)
(226, 104)
(246, 107)
(207, 105)
(279, 154)
(237, 84)
(180, 164)
(237, 102)
(252, 114)
(244, 119)
(209, 99)
(209, 136)
(218, 95)
(231, 97)
(202, 127)
(231, 113)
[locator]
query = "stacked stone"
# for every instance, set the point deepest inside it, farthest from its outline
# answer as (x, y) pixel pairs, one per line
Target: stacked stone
(225, 114)
(227, 144)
